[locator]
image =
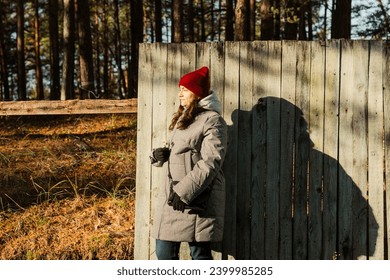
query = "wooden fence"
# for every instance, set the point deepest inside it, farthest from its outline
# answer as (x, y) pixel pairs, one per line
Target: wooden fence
(307, 166)
(68, 107)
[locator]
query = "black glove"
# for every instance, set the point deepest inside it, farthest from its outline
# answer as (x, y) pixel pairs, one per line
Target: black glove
(177, 204)
(161, 154)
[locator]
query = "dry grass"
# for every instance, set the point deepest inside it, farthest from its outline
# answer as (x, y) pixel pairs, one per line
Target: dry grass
(67, 187)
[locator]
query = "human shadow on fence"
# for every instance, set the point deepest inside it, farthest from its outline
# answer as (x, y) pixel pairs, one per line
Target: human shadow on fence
(286, 199)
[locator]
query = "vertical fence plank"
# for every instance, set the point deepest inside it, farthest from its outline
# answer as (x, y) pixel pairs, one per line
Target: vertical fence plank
(203, 54)
(272, 86)
(231, 98)
(259, 136)
(386, 106)
(217, 70)
(144, 145)
(188, 57)
(287, 126)
(346, 152)
(331, 123)
(245, 151)
(316, 124)
(359, 149)
(159, 124)
(173, 78)
(302, 145)
(376, 230)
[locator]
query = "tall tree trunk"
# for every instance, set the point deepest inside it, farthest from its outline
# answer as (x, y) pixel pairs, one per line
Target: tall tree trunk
(38, 64)
(202, 22)
(242, 21)
(191, 25)
(291, 20)
(302, 20)
(177, 21)
(310, 20)
(69, 48)
(229, 32)
(252, 19)
(341, 19)
(3, 59)
(20, 50)
(54, 51)
(97, 49)
(85, 49)
(212, 23)
(136, 38)
(158, 20)
(105, 51)
(118, 50)
(267, 20)
(277, 17)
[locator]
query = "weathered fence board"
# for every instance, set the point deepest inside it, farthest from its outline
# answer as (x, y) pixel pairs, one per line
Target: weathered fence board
(144, 145)
(331, 136)
(386, 118)
(301, 153)
(375, 151)
(287, 125)
(231, 103)
(159, 120)
(346, 152)
(259, 140)
(245, 148)
(359, 146)
(67, 107)
(305, 168)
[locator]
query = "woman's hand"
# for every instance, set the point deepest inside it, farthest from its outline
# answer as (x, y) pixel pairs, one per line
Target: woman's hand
(177, 204)
(161, 154)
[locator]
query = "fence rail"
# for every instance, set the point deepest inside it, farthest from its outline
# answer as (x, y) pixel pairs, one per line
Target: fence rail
(307, 167)
(68, 107)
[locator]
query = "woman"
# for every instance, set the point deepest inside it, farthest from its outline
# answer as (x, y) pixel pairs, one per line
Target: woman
(192, 207)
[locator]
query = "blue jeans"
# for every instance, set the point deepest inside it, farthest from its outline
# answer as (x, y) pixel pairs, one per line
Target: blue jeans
(169, 250)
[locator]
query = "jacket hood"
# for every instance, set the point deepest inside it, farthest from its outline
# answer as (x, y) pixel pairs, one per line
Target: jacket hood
(211, 103)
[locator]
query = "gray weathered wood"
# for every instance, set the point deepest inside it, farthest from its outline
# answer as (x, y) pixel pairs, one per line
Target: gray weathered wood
(67, 107)
(144, 146)
(386, 118)
(217, 76)
(287, 126)
(302, 141)
(376, 230)
(331, 124)
(316, 150)
(245, 150)
(231, 104)
(346, 152)
(159, 124)
(359, 149)
(259, 137)
(272, 87)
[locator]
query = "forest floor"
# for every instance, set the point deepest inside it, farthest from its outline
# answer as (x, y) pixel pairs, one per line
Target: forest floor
(67, 187)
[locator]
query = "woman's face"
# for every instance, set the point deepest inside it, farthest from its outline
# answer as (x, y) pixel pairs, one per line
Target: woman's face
(186, 96)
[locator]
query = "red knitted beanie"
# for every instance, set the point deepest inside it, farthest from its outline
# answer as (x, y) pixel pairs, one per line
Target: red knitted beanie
(197, 81)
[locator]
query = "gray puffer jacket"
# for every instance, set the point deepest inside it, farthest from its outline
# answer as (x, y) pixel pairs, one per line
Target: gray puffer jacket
(195, 162)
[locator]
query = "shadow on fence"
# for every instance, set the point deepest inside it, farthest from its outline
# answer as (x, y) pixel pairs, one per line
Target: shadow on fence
(296, 202)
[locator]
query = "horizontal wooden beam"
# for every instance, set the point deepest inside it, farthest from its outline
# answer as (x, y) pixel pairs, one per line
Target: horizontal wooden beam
(68, 107)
